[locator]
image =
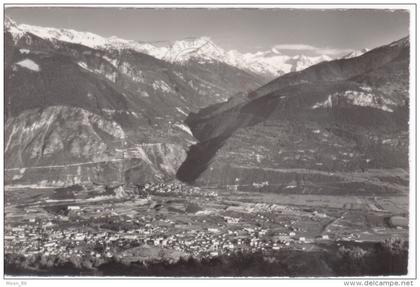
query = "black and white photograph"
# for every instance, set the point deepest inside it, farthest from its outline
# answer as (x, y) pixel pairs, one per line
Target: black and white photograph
(209, 141)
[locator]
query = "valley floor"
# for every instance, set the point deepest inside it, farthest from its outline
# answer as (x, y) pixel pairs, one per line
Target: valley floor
(89, 227)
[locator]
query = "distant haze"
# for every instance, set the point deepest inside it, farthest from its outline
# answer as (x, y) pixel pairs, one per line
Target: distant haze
(310, 32)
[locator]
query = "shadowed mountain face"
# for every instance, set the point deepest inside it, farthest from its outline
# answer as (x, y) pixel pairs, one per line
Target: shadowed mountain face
(342, 123)
(76, 113)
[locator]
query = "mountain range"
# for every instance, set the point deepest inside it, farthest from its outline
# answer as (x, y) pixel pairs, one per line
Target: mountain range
(81, 108)
(269, 64)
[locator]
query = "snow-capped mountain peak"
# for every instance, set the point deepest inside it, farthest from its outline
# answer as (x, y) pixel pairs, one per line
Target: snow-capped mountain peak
(270, 63)
(8, 22)
(202, 48)
(13, 28)
(65, 35)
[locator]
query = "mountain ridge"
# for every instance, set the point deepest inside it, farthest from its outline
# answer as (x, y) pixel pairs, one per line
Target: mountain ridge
(344, 116)
(270, 63)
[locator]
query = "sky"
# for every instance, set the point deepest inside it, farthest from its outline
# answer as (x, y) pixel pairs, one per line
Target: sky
(307, 31)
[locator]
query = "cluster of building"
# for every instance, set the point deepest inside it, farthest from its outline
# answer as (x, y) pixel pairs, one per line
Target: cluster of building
(48, 238)
(100, 231)
(51, 238)
(175, 188)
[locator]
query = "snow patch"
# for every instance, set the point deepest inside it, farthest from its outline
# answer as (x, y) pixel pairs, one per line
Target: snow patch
(83, 65)
(162, 85)
(127, 69)
(113, 62)
(110, 76)
(29, 64)
(325, 104)
(144, 94)
(181, 111)
(184, 128)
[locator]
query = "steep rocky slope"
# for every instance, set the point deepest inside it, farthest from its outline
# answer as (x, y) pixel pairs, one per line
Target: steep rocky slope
(338, 126)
